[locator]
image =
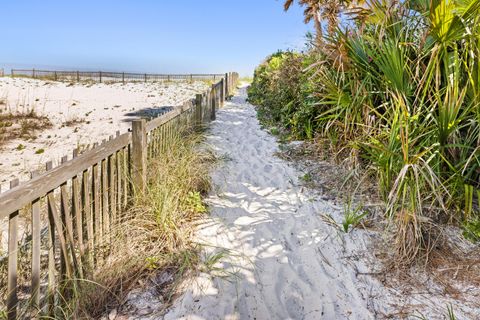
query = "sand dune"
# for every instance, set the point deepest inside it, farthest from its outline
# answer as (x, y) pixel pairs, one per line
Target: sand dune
(81, 114)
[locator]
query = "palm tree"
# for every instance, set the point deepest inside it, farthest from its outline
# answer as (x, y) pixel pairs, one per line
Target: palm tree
(312, 12)
(318, 10)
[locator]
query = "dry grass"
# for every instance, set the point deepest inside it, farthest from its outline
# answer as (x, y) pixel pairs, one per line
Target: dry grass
(156, 234)
(21, 125)
(73, 122)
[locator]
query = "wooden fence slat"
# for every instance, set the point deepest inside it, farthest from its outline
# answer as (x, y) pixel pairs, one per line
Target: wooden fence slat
(97, 210)
(118, 170)
(111, 192)
(87, 211)
(59, 228)
(36, 254)
(126, 176)
(78, 218)
(12, 276)
(105, 204)
(67, 220)
(63, 217)
(163, 137)
(52, 283)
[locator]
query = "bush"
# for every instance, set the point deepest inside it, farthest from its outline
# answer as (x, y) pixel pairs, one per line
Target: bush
(401, 89)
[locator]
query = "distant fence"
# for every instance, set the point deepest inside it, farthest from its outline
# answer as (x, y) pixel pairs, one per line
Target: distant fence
(105, 76)
(66, 213)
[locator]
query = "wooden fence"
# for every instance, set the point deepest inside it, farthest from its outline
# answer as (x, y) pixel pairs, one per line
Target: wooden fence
(65, 214)
(105, 76)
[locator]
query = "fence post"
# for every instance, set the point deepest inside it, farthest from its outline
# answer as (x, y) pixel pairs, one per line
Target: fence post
(100, 73)
(213, 116)
(145, 77)
(123, 77)
(222, 93)
(198, 110)
(139, 156)
(227, 91)
(12, 72)
(33, 73)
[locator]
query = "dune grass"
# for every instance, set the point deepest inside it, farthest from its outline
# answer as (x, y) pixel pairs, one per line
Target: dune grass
(154, 236)
(24, 125)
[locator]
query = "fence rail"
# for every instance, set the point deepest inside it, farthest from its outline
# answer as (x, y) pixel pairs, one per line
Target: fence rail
(70, 210)
(106, 76)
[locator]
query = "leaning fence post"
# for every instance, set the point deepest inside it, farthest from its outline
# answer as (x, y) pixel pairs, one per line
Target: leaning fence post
(139, 156)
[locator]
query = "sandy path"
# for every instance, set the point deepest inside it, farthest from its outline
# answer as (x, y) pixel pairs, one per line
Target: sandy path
(284, 262)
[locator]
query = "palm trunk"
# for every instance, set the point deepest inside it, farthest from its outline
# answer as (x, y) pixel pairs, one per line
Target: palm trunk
(318, 31)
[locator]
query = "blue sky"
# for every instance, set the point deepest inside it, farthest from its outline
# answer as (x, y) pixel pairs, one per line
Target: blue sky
(147, 36)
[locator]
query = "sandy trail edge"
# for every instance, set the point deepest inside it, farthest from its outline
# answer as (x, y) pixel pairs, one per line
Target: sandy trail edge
(284, 261)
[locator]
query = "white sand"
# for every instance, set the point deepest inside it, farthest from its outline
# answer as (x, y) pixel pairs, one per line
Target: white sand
(284, 261)
(100, 110)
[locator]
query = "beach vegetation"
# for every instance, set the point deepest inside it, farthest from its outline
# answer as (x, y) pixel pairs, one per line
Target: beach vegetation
(394, 87)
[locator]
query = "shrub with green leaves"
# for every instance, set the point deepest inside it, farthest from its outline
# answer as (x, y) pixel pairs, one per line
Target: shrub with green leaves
(279, 90)
(399, 85)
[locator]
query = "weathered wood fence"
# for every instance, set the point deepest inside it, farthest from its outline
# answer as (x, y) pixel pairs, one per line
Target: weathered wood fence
(64, 215)
(106, 76)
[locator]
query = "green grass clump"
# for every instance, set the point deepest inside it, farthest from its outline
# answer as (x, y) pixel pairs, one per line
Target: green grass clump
(353, 217)
(471, 230)
(397, 91)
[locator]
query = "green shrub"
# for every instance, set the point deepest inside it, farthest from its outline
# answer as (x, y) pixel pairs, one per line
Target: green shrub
(400, 88)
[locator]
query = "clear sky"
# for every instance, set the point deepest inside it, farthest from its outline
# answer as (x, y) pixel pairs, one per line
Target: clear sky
(184, 36)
